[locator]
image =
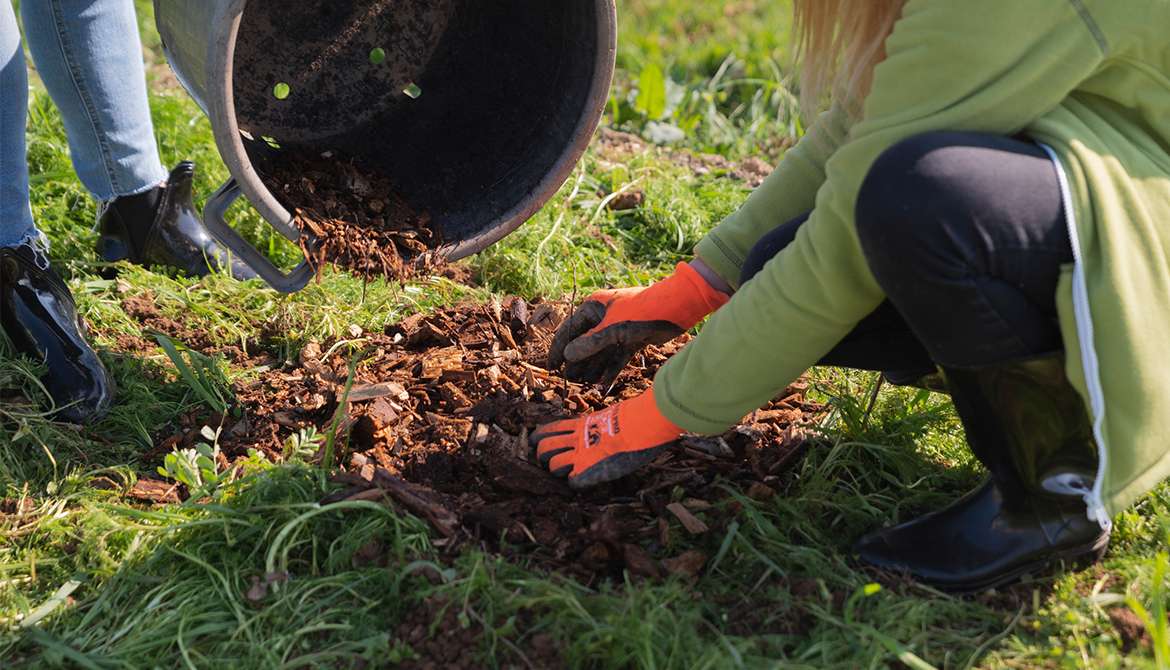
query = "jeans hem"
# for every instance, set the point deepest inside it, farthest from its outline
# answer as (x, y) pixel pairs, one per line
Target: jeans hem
(139, 190)
(36, 239)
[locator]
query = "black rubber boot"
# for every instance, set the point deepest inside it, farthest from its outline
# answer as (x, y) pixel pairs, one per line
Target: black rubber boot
(161, 227)
(39, 316)
(1031, 429)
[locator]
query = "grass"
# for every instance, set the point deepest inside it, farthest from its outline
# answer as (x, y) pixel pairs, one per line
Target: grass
(89, 580)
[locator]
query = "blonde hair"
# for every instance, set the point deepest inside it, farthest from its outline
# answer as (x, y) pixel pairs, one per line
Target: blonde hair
(840, 43)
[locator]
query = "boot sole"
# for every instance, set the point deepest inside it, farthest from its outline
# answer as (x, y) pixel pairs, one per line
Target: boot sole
(1080, 556)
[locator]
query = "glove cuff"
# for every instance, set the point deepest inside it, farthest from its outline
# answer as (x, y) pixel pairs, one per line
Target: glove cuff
(696, 299)
(644, 423)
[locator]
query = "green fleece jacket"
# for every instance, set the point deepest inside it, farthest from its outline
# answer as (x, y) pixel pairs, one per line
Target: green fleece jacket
(1089, 79)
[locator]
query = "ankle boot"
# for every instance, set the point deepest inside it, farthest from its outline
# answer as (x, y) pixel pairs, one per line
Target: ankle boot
(161, 227)
(39, 316)
(1027, 424)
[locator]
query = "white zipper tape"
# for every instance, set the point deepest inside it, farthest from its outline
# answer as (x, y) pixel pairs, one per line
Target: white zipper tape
(1091, 364)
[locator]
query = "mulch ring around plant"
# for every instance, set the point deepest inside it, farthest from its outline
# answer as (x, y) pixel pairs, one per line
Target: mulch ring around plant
(355, 216)
(436, 423)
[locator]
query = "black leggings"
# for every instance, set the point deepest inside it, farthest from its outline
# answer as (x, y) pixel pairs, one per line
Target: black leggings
(966, 235)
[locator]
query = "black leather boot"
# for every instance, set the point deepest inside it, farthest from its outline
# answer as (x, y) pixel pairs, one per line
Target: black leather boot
(161, 227)
(1027, 424)
(39, 316)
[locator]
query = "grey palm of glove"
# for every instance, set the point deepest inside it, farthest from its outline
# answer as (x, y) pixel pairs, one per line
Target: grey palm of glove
(595, 344)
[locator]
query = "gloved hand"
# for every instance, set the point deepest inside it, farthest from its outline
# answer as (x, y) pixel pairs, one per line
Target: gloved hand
(605, 332)
(605, 445)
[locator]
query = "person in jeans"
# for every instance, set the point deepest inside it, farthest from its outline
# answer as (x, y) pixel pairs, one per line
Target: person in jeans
(89, 57)
(987, 196)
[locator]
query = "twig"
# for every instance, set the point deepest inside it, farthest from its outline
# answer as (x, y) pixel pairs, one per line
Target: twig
(414, 498)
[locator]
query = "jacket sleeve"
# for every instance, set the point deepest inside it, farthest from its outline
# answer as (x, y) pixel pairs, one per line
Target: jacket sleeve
(993, 66)
(789, 192)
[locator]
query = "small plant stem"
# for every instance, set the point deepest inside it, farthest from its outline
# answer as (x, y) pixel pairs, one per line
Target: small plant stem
(873, 398)
(338, 415)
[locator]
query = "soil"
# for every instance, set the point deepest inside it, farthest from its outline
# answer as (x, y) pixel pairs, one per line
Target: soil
(1131, 632)
(436, 423)
(616, 147)
(439, 640)
(353, 217)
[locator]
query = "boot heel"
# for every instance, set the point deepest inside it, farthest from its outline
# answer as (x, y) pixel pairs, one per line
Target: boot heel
(1086, 555)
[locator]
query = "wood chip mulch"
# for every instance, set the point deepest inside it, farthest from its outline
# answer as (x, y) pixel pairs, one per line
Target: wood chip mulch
(357, 218)
(437, 421)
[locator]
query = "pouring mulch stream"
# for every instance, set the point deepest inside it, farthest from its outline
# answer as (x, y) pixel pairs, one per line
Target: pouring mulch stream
(355, 215)
(437, 421)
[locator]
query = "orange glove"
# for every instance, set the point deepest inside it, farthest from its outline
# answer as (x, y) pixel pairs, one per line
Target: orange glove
(605, 332)
(605, 445)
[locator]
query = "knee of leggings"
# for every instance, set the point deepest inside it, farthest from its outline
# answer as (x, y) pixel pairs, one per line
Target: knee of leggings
(756, 259)
(768, 246)
(902, 197)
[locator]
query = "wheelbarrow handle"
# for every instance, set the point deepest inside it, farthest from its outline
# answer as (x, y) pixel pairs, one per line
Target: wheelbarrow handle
(215, 218)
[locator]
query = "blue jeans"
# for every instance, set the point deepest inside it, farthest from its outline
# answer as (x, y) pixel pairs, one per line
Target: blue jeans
(89, 56)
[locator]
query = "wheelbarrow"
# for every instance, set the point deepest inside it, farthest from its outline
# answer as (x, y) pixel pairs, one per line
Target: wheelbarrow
(477, 110)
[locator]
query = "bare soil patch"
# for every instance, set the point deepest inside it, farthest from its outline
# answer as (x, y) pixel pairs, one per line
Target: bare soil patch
(454, 645)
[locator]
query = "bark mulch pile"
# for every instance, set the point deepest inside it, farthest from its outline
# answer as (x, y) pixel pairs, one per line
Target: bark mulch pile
(437, 420)
(355, 216)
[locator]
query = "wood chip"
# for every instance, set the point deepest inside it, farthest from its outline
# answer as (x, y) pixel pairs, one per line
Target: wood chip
(687, 565)
(692, 523)
(479, 435)
(712, 446)
(456, 399)
(286, 419)
(518, 310)
(383, 413)
(441, 360)
(418, 500)
(547, 317)
(760, 492)
(364, 392)
(628, 200)
(640, 563)
(155, 491)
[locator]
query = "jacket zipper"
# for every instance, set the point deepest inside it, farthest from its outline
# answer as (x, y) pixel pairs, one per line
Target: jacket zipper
(1094, 499)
